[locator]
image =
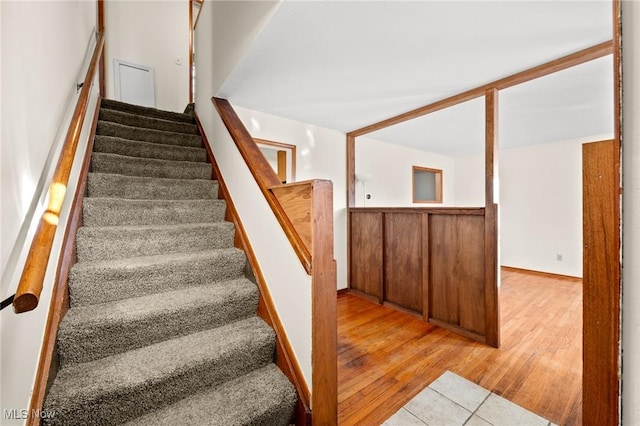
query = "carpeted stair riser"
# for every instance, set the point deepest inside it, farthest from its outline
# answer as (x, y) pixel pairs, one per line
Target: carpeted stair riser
(146, 111)
(132, 187)
(162, 326)
(113, 145)
(261, 397)
(134, 120)
(118, 242)
(119, 388)
(106, 128)
(148, 167)
(110, 280)
(92, 332)
(116, 211)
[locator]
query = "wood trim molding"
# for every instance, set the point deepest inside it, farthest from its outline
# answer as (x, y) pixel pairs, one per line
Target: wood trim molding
(293, 148)
(438, 184)
(101, 67)
(32, 279)
(264, 175)
(539, 273)
(60, 293)
(475, 211)
(286, 361)
(191, 36)
(568, 61)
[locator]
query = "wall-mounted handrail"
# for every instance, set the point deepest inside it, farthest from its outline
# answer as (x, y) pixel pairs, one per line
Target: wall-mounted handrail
(264, 175)
(32, 279)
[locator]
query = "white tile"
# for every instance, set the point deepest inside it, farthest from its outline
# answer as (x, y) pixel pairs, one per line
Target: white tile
(477, 421)
(460, 390)
(501, 412)
(436, 410)
(403, 418)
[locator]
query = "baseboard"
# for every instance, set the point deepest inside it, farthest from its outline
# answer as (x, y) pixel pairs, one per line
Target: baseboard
(540, 273)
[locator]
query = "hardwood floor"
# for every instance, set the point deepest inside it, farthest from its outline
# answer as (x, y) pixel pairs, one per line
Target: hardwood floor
(385, 357)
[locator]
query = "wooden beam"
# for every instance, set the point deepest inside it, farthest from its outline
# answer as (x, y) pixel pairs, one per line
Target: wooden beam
(556, 65)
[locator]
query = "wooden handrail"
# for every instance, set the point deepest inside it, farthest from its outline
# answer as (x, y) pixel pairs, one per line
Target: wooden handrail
(32, 279)
(264, 175)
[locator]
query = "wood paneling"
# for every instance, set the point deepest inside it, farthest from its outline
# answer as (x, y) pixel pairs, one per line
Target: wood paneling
(403, 260)
(295, 199)
(456, 283)
(601, 272)
(386, 357)
(366, 253)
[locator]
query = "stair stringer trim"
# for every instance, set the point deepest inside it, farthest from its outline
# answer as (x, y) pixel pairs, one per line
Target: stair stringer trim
(59, 305)
(285, 359)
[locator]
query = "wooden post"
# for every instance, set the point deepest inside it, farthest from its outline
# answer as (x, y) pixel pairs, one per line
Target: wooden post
(492, 311)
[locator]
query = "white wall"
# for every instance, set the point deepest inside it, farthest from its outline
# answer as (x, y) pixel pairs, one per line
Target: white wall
(153, 34)
(468, 181)
(321, 155)
(43, 50)
(236, 24)
(288, 282)
(540, 203)
(631, 214)
(388, 170)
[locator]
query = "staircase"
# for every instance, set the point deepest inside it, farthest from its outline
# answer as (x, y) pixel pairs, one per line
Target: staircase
(162, 327)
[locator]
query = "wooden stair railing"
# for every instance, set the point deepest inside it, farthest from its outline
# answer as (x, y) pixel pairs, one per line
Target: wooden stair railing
(305, 212)
(31, 282)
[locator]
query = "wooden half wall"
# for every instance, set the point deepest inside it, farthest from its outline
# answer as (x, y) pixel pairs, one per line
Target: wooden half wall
(430, 262)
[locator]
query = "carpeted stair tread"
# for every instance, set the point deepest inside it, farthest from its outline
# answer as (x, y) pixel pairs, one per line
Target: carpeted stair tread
(114, 145)
(109, 280)
(147, 111)
(148, 167)
(115, 242)
(92, 332)
(261, 397)
(133, 383)
(135, 187)
(118, 211)
(131, 119)
(107, 128)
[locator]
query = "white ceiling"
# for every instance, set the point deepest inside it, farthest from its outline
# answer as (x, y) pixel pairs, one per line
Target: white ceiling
(344, 65)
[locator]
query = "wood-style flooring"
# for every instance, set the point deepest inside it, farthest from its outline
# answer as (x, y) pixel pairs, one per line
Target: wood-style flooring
(385, 357)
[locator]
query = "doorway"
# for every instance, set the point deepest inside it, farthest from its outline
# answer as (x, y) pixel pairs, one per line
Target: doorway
(134, 84)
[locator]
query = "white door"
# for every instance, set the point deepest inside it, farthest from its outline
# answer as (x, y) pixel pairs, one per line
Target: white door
(134, 84)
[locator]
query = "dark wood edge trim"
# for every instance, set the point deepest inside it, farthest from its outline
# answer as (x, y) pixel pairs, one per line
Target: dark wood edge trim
(100, 30)
(301, 183)
(60, 293)
(474, 211)
(294, 153)
(540, 273)
(458, 330)
(342, 291)
(426, 267)
(191, 35)
(354, 292)
(568, 61)
(401, 309)
(35, 267)
(263, 174)
(491, 295)
(287, 362)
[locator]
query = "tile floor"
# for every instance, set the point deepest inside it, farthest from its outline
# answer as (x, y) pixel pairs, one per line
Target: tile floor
(452, 400)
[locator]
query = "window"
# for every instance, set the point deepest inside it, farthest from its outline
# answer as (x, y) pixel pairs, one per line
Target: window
(427, 185)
